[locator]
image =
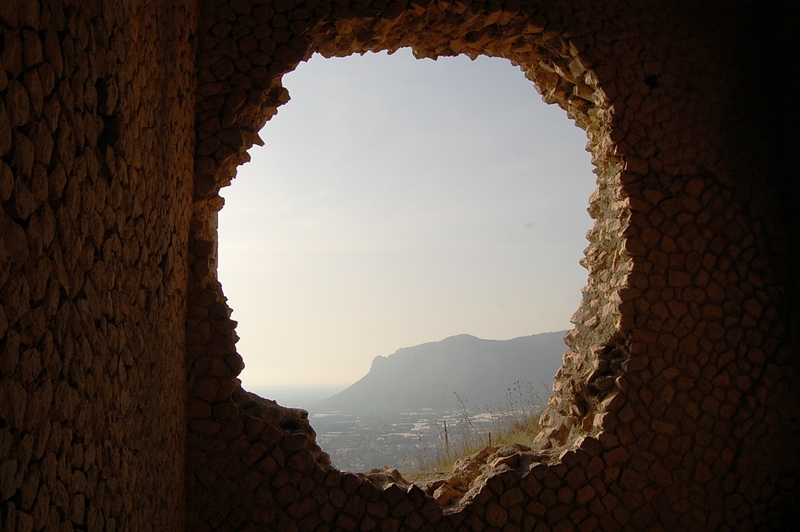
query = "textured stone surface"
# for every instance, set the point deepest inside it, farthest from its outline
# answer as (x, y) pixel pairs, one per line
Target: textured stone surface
(120, 407)
(680, 354)
(96, 150)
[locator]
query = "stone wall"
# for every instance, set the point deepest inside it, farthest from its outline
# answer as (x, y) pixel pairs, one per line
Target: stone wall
(674, 408)
(665, 414)
(96, 151)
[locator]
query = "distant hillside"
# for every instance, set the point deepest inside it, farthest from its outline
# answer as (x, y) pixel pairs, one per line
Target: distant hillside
(427, 375)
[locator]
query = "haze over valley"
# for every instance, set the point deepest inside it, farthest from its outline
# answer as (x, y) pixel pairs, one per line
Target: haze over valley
(394, 415)
(398, 201)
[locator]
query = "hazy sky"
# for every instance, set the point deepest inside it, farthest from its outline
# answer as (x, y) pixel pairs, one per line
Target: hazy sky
(401, 201)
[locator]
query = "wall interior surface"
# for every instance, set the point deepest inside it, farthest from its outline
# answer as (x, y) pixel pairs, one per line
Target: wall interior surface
(120, 407)
(96, 155)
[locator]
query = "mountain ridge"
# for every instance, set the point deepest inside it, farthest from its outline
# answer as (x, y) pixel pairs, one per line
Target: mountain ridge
(426, 375)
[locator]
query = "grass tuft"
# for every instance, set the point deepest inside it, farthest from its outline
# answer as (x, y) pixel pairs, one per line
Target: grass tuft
(516, 421)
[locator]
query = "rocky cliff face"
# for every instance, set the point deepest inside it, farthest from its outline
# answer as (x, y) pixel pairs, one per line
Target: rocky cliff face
(427, 375)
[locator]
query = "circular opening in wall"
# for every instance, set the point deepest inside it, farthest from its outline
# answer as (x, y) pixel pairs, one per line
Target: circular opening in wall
(401, 203)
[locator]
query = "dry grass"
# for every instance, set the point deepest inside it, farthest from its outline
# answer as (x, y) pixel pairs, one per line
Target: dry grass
(517, 421)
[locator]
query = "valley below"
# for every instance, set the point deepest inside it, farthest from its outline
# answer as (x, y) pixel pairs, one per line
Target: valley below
(429, 401)
(405, 440)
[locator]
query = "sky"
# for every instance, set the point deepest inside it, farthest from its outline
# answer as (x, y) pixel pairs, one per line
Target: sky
(396, 202)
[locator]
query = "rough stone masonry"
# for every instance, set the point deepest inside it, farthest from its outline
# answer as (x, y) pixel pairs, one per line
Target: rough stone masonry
(676, 407)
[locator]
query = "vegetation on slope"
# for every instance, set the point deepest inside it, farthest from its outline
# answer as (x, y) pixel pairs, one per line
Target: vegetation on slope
(517, 422)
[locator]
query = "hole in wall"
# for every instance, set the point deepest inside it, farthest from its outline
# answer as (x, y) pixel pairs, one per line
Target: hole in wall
(462, 210)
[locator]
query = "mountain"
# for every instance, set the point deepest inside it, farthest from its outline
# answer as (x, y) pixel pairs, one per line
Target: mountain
(425, 376)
